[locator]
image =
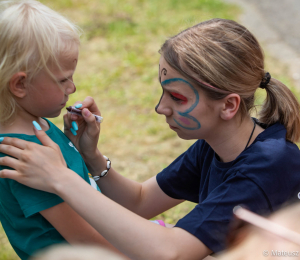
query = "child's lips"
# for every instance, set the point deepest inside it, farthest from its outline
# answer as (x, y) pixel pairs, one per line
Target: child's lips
(63, 104)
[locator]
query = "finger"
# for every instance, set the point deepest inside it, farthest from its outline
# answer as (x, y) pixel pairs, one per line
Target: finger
(10, 174)
(92, 125)
(47, 141)
(68, 126)
(11, 150)
(9, 162)
(74, 125)
(89, 103)
(43, 137)
(78, 104)
(74, 117)
(67, 122)
(19, 143)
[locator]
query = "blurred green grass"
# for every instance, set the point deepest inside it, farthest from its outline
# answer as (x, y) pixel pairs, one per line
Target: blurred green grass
(118, 67)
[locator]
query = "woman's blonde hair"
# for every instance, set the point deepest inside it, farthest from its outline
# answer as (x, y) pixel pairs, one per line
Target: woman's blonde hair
(225, 55)
(31, 36)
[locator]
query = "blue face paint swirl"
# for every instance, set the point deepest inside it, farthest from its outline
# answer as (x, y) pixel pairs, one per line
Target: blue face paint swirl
(186, 113)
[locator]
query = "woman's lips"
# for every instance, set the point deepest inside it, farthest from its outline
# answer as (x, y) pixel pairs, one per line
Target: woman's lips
(173, 127)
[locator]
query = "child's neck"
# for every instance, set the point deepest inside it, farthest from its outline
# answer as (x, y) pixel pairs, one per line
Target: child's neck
(22, 124)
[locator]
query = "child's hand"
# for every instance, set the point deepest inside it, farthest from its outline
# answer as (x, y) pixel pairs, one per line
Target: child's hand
(87, 135)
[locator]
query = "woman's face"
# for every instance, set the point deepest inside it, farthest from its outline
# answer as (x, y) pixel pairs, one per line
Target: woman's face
(188, 111)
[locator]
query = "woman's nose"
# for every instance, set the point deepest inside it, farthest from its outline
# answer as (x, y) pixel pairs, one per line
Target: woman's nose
(162, 107)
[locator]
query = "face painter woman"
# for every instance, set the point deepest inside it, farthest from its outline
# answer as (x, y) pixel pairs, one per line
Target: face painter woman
(209, 74)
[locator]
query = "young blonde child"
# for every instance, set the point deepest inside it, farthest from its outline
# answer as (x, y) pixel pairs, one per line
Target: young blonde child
(38, 57)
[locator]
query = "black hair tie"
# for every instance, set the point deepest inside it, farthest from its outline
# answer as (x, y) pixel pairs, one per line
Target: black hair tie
(265, 81)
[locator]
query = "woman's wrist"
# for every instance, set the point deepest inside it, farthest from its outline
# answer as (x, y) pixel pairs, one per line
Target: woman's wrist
(96, 163)
(66, 176)
(90, 156)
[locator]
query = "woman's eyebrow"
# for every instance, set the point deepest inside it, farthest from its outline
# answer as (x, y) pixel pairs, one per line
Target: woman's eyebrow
(169, 81)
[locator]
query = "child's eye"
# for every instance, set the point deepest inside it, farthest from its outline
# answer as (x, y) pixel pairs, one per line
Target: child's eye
(178, 98)
(64, 80)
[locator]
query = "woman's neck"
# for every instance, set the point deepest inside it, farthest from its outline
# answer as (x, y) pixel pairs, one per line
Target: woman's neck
(232, 142)
(22, 124)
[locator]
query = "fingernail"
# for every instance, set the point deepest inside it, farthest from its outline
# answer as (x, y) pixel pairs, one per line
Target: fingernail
(36, 125)
(73, 131)
(1, 139)
(78, 106)
(74, 125)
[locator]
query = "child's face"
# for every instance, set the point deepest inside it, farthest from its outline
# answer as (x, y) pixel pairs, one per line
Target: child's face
(47, 95)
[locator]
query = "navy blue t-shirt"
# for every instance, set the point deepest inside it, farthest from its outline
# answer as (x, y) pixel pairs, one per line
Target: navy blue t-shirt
(262, 177)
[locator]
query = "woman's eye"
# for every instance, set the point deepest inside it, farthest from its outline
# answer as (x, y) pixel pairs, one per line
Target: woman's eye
(177, 97)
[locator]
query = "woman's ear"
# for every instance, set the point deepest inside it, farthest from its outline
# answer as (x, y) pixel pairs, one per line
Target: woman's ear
(17, 84)
(231, 104)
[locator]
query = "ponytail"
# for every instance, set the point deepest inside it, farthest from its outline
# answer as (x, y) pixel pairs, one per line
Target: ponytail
(281, 106)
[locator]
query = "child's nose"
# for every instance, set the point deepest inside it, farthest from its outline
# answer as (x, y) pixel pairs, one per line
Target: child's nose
(71, 88)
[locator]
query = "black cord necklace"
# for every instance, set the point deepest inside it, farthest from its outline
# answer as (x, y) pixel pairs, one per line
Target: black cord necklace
(251, 134)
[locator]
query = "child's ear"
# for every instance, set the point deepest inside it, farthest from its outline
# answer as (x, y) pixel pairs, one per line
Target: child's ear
(231, 104)
(17, 84)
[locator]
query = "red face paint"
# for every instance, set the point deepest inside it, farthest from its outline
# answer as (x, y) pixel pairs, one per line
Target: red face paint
(180, 97)
(185, 120)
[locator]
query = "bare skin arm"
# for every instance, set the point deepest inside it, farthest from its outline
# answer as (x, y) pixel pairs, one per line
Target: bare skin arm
(133, 235)
(74, 228)
(37, 166)
(146, 199)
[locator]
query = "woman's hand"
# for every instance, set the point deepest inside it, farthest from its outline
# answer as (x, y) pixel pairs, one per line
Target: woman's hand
(38, 166)
(87, 136)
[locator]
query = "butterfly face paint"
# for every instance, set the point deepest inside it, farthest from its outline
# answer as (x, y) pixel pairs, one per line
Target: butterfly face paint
(186, 120)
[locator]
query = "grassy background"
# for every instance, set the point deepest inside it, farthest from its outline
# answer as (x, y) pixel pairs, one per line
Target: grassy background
(118, 66)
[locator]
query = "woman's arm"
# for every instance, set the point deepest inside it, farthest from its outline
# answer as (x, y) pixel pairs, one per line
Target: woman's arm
(38, 167)
(74, 228)
(131, 234)
(145, 199)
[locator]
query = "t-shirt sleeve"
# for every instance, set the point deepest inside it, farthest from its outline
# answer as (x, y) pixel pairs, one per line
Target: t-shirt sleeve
(209, 220)
(32, 201)
(181, 179)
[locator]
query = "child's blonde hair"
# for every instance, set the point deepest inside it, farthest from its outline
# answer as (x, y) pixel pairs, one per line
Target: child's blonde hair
(31, 36)
(227, 56)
